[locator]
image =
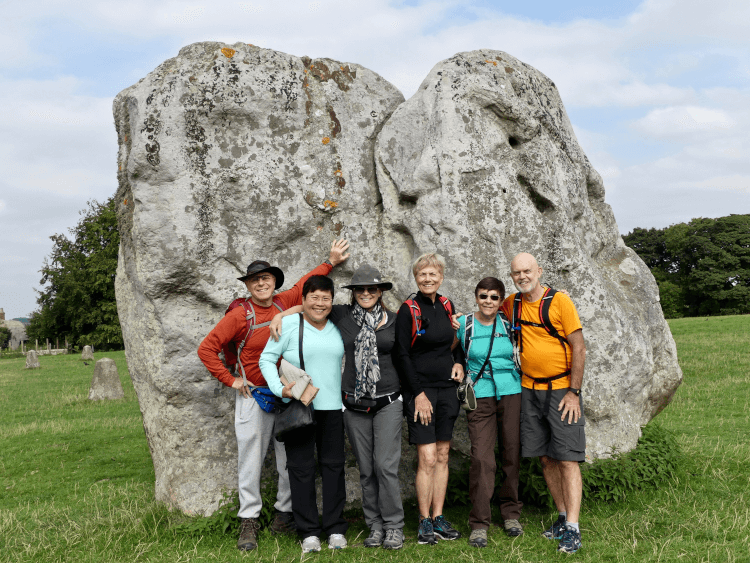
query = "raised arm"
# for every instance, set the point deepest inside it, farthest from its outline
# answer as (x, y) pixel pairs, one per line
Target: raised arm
(275, 326)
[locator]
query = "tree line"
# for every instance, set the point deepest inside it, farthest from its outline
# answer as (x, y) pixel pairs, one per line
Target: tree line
(702, 267)
(77, 299)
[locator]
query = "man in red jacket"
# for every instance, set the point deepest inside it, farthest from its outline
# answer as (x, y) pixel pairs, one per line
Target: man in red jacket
(253, 426)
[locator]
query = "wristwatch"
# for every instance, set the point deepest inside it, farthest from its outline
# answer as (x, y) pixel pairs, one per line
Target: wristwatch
(327, 261)
(576, 392)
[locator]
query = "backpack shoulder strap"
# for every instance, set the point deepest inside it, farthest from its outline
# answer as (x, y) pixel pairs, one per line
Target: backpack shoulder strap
(544, 307)
(416, 318)
(468, 333)
(447, 305)
(278, 304)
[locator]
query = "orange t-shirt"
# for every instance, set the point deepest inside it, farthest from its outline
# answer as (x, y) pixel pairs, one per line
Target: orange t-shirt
(543, 355)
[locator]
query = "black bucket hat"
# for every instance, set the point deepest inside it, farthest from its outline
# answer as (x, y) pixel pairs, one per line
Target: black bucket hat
(261, 266)
(367, 275)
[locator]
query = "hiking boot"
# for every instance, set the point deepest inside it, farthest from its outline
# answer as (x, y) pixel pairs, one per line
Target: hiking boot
(375, 539)
(394, 539)
(478, 538)
(444, 530)
(283, 523)
(513, 528)
(310, 544)
(555, 531)
(248, 534)
(570, 542)
(336, 541)
(426, 533)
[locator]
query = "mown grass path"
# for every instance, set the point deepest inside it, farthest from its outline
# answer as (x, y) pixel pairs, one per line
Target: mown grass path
(76, 480)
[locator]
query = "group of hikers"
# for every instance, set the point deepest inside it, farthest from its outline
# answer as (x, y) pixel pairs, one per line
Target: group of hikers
(522, 356)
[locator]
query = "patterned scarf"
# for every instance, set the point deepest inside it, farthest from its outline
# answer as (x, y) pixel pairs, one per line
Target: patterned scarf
(366, 350)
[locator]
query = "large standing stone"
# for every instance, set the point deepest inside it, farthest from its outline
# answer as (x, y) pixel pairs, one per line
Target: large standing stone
(231, 154)
(88, 353)
(105, 385)
(227, 155)
(482, 163)
(32, 360)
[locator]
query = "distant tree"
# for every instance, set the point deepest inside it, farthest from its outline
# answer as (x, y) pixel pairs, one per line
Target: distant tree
(702, 267)
(77, 299)
(5, 336)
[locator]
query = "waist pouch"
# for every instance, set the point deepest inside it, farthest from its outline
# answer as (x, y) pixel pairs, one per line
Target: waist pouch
(367, 406)
(265, 398)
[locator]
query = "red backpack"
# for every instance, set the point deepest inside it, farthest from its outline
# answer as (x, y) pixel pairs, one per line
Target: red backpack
(232, 350)
(416, 315)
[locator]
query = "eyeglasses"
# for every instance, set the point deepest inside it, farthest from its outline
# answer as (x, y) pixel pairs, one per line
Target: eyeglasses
(266, 278)
(370, 290)
(318, 299)
(484, 296)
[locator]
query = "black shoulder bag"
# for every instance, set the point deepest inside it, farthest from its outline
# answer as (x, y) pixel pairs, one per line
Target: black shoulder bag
(294, 414)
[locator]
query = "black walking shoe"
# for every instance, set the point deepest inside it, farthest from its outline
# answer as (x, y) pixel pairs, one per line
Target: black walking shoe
(426, 535)
(283, 523)
(248, 534)
(444, 530)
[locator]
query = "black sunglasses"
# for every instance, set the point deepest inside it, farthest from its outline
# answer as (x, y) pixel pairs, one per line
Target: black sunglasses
(485, 296)
(370, 290)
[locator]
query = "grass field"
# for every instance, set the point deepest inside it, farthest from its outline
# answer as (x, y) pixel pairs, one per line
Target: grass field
(76, 479)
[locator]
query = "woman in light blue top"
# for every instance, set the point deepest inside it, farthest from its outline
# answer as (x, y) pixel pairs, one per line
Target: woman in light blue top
(485, 338)
(322, 350)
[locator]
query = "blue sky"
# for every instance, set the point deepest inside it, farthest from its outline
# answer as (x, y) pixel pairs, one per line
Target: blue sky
(658, 92)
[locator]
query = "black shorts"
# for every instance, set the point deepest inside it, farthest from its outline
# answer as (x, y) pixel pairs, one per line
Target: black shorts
(445, 408)
(548, 435)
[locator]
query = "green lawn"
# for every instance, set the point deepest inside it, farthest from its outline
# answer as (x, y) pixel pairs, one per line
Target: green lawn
(77, 481)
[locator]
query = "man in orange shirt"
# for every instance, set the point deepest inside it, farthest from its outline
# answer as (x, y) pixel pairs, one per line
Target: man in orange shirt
(253, 426)
(552, 421)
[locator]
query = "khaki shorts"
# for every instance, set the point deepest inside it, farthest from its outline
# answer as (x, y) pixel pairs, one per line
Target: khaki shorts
(548, 435)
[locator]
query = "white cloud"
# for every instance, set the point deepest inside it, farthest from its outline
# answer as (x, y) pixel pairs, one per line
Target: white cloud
(679, 121)
(2, 206)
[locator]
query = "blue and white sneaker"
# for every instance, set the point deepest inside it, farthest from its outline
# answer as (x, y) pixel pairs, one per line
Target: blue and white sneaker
(570, 542)
(426, 534)
(556, 530)
(444, 530)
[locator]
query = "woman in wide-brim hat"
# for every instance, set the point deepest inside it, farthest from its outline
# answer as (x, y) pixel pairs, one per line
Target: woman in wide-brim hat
(371, 393)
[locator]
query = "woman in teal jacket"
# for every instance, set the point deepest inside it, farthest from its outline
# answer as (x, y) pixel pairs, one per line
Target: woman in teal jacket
(485, 338)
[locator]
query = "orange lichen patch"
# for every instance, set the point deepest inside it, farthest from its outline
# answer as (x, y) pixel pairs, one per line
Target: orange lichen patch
(312, 67)
(227, 52)
(326, 140)
(320, 227)
(126, 138)
(490, 62)
(250, 45)
(330, 204)
(125, 202)
(305, 71)
(338, 173)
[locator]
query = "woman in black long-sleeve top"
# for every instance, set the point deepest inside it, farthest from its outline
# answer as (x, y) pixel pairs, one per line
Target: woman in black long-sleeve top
(428, 374)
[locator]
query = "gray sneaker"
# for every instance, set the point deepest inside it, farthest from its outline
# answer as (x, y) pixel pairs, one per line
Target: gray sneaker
(336, 541)
(478, 538)
(394, 539)
(375, 539)
(513, 528)
(310, 544)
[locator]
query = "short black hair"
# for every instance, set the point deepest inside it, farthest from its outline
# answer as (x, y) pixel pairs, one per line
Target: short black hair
(317, 283)
(489, 284)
